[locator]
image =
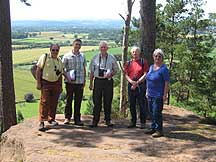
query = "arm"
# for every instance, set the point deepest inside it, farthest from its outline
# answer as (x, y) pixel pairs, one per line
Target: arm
(38, 77)
(84, 77)
(142, 78)
(166, 88)
(91, 78)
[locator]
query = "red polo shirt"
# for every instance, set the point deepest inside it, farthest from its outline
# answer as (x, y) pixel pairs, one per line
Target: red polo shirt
(134, 68)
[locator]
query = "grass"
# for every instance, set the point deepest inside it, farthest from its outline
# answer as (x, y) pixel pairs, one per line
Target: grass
(29, 55)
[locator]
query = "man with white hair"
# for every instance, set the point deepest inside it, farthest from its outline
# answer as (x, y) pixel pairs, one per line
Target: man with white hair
(102, 68)
(135, 72)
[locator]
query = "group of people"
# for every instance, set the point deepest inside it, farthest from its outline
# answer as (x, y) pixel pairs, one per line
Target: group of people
(143, 82)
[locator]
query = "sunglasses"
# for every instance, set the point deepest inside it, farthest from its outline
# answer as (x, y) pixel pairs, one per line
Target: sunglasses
(55, 50)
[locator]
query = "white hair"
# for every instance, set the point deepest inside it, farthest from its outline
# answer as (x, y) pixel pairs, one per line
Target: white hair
(103, 43)
(158, 51)
(134, 48)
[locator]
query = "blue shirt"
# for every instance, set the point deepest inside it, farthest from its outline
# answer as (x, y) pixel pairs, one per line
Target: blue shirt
(156, 81)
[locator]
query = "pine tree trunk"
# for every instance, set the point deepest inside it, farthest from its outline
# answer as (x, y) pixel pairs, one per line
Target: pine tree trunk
(7, 96)
(148, 28)
(123, 87)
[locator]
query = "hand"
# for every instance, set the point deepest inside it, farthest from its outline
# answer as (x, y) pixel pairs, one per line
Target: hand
(109, 75)
(84, 85)
(164, 97)
(91, 86)
(38, 86)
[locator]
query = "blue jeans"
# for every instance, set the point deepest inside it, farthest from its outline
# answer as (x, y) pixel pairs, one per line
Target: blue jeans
(137, 95)
(155, 109)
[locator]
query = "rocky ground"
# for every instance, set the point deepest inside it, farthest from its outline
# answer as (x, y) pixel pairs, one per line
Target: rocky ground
(185, 140)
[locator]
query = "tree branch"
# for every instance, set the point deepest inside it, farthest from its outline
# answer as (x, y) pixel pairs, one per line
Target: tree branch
(122, 17)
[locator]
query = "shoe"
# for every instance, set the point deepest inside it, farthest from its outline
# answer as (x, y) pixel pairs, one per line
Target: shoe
(132, 125)
(79, 123)
(93, 125)
(157, 134)
(53, 122)
(142, 125)
(109, 124)
(67, 121)
(150, 131)
(41, 127)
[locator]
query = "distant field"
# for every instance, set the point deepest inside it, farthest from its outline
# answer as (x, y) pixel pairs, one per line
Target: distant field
(29, 55)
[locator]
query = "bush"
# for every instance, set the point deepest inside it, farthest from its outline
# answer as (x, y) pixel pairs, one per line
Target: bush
(20, 117)
(29, 97)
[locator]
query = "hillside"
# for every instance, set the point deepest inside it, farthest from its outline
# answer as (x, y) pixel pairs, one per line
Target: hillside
(185, 140)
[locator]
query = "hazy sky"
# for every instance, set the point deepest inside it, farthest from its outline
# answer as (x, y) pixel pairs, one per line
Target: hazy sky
(78, 9)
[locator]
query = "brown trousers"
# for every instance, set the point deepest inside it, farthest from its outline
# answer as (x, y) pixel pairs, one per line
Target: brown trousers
(50, 92)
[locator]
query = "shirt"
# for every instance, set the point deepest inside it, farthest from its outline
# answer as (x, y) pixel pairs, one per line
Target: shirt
(156, 81)
(107, 63)
(135, 70)
(77, 63)
(50, 67)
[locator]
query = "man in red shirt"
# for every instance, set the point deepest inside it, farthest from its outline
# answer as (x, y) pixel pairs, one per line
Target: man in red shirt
(135, 72)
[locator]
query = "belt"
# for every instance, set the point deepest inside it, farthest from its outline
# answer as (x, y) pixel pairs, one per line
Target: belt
(101, 78)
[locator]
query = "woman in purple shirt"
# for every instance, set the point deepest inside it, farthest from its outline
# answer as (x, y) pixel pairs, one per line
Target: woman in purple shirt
(157, 88)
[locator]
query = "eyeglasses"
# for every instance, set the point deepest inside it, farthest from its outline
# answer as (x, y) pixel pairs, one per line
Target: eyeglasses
(159, 56)
(55, 50)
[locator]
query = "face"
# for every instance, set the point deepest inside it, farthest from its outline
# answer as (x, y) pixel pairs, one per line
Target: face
(135, 53)
(77, 45)
(157, 58)
(54, 50)
(103, 48)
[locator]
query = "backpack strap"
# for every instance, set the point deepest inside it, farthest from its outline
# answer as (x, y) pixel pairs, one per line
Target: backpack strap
(45, 60)
(142, 62)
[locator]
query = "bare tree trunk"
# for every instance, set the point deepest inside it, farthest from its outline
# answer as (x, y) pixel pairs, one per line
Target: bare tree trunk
(148, 28)
(127, 20)
(7, 96)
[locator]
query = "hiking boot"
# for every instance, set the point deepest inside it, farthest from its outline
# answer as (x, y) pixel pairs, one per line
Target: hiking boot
(150, 131)
(41, 127)
(53, 122)
(142, 125)
(67, 121)
(79, 123)
(109, 124)
(132, 125)
(157, 134)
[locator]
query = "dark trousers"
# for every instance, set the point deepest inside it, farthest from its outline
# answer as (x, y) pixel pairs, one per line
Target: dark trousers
(137, 95)
(50, 92)
(73, 91)
(155, 109)
(103, 89)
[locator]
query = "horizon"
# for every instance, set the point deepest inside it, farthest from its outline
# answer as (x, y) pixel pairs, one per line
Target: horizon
(53, 10)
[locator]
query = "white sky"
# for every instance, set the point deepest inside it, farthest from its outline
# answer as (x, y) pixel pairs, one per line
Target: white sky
(78, 9)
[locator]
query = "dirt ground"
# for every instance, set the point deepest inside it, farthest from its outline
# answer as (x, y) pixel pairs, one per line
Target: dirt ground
(185, 140)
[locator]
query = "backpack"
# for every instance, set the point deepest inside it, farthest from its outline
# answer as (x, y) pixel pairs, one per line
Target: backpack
(34, 67)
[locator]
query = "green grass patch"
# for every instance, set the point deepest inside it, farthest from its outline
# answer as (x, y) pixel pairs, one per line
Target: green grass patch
(28, 110)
